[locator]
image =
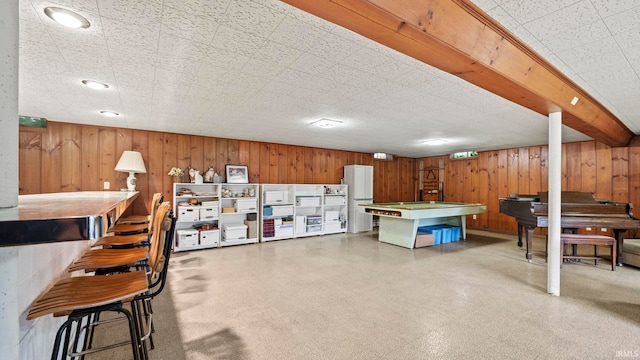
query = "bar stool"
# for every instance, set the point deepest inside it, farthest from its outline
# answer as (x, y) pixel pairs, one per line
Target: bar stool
(107, 260)
(84, 298)
(142, 219)
(137, 228)
(123, 236)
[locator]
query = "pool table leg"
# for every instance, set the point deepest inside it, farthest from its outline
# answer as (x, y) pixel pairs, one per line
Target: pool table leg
(463, 226)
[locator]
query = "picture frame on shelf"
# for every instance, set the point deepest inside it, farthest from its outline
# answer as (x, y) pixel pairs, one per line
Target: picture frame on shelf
(237, 174)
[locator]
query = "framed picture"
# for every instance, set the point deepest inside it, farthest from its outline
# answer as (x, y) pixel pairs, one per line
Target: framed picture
(237, 174)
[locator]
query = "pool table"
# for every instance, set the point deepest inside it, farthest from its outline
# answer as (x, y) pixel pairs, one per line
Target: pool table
(399, 221)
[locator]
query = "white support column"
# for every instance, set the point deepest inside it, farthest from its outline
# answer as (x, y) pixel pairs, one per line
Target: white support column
(9, 331)
(555, 176)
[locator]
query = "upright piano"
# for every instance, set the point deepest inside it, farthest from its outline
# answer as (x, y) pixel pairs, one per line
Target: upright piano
(578, 210)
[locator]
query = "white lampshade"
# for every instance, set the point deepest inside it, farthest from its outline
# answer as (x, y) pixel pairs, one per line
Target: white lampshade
(131, 162)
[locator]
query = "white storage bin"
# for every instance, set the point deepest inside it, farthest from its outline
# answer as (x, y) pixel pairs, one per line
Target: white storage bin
(282, 210)
(331, 215)
(308, 201)
(234, 232)
(187, 238)
(284, 230)
(332, 226)
(275, 197)
(188, 213)
(245, 205)
(208, 213)
(210, 237)
(314, 228)
(335, 200)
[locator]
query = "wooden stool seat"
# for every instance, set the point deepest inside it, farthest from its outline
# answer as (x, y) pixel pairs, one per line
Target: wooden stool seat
(589, 239)
(109, 258)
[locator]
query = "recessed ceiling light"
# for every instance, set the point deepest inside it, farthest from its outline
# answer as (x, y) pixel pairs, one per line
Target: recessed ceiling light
(109, 113)
(67, 18)
(95, 84)
(434, 142)
(326, 123)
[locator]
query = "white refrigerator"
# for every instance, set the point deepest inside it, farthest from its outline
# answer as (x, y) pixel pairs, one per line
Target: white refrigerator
(360, 181)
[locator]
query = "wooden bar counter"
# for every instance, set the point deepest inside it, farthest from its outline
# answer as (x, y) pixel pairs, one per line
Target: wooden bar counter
(68, 216)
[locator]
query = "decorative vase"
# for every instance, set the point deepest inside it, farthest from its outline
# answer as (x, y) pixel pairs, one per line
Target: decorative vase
(177, 179)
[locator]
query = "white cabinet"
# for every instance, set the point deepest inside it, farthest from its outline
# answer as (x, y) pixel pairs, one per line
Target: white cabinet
(197, 210)
(299, 210)
(335, 209)
(277, 209)
(239, 214)
(308, 209)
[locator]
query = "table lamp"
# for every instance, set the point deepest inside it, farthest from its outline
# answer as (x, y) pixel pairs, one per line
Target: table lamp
(131, 162)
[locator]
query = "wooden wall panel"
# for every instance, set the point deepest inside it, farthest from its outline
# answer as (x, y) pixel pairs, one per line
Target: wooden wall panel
(265, 163)
(71, 178)
(29, 160)
(634, 174)
(140, 143)
(544, 168)
(534, 170)
(51, 180)
(603, 171)
(273, 164)
(588, 166)
(156, 172)
(254, 162)
(107, 158)
(524, 178)
(483, 185)
(620, 174)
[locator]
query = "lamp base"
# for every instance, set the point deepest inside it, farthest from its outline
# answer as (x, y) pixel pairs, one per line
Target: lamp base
(131, 182)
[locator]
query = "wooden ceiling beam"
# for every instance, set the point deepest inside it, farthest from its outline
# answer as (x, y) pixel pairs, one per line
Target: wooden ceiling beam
(457, 37)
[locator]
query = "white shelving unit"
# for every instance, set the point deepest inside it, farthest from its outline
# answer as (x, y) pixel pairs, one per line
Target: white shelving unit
(308, 210)
(196, 205)
(335, 209)
(239, 214)
(277, 208)
(299, 210)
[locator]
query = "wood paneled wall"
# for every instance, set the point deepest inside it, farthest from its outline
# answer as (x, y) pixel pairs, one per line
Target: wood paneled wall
(71, 157)
(609, 173)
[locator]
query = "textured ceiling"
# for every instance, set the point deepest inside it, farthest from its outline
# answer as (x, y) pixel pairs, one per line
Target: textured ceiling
(263, 70)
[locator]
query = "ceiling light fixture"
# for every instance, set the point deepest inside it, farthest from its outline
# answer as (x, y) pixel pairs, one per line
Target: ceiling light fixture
(326, 123)
(109, 113)
(435, 142)
(67, 18)
(574, 101)
(95, 84)
(382, 156)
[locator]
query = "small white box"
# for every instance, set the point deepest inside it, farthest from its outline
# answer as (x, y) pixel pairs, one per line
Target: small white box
(308, 201)
(209, 203)
(282, 210)
(332, 226)
(335, 200)
(245, 205)
(187, 238)
(331, 215)
(275, 197)
(188, 213)
(210, 237)
(284, 230)
(208, 213)
(234, 232)
(277, 221)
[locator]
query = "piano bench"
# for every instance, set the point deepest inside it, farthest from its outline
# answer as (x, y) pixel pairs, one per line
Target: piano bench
(589, 239)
